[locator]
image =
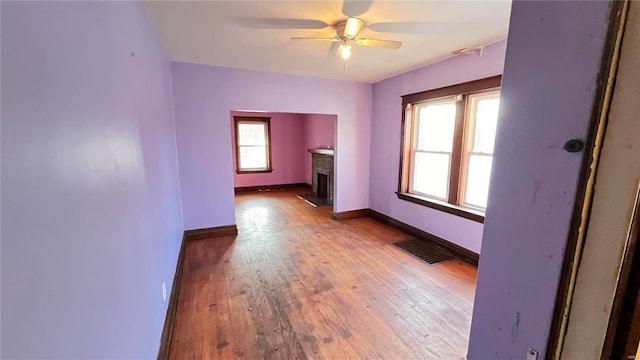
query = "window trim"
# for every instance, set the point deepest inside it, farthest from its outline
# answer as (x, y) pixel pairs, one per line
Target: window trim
(456, 172)
(463, 212)
(262, 120)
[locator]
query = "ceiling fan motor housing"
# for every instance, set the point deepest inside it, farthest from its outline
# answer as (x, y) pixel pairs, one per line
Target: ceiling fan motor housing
(340, 31)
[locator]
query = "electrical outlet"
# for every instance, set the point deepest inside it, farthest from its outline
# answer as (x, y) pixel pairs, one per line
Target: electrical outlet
(532, 354)
(164, 291)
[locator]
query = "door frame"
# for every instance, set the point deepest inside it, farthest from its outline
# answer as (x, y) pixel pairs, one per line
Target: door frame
(586, 232)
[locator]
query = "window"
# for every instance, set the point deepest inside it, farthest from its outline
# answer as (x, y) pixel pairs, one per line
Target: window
(253, 145)
(447, 147)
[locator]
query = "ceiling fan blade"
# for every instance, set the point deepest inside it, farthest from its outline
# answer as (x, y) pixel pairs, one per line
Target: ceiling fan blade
(389, 44)
(279, 23)
(355, 7)
(333, 50)
(352, 27)
(415, 27)
(315, 38)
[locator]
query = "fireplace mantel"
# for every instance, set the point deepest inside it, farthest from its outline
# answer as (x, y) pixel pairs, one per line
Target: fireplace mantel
(329, 152)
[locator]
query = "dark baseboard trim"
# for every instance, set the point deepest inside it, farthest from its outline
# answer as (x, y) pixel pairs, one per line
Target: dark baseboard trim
(242, 189)
(351, 214)
(172, 308)
(458, 251)
(206, 233)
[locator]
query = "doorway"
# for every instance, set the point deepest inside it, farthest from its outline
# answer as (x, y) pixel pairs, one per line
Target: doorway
(285, 151)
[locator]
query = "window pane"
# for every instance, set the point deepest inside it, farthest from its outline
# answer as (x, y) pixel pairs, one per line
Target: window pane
(435, 126)
(477, 186)
(253, 157)
(486, 119)
(431, 174)
(251, 134)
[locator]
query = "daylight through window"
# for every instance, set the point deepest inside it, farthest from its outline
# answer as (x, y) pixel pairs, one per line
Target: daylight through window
(447, 146)
(252, 145)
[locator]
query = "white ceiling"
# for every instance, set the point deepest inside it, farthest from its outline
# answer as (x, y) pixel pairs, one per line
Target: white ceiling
(255, 35)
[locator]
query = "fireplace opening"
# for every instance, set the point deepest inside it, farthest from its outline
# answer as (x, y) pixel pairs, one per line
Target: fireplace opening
(322, 186)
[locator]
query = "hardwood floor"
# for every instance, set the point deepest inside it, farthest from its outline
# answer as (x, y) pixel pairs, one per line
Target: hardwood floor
(295, 284)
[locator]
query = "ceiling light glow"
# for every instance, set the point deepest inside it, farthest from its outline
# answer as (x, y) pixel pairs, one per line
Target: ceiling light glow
(352, 27)
(345, 51)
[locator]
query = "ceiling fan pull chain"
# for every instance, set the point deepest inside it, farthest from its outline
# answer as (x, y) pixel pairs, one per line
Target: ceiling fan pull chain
(345, 66)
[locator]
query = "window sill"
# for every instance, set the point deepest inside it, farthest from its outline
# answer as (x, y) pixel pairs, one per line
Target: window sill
(253, 171)
(466, 213)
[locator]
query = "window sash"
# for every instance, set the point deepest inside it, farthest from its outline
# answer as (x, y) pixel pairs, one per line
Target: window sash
(263, 126)
(265, 122)
(465, 180)
(252, 146)
(471, 132)
(412, 188)
(266, 160)
(415, 134)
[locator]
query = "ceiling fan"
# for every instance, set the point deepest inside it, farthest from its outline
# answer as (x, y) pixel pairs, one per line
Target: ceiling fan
(347, 31)
(346, 34)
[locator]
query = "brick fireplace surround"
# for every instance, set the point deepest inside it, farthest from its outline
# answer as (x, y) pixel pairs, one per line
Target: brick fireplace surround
(322, 163)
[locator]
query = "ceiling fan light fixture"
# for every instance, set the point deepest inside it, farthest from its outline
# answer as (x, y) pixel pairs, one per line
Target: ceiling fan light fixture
(345, 51)
(352, 27)
(346, 33)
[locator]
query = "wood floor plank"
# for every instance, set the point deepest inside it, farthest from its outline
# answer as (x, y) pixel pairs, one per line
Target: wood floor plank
(295, 284)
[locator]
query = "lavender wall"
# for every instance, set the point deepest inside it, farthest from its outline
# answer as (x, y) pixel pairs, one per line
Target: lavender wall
(320, 131)
(90, 196)
(385, 142)
(205, 95)
(287, 150)
(547, 93)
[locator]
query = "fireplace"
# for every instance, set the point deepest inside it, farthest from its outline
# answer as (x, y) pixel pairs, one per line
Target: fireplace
(322, 186)
(322, 173)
